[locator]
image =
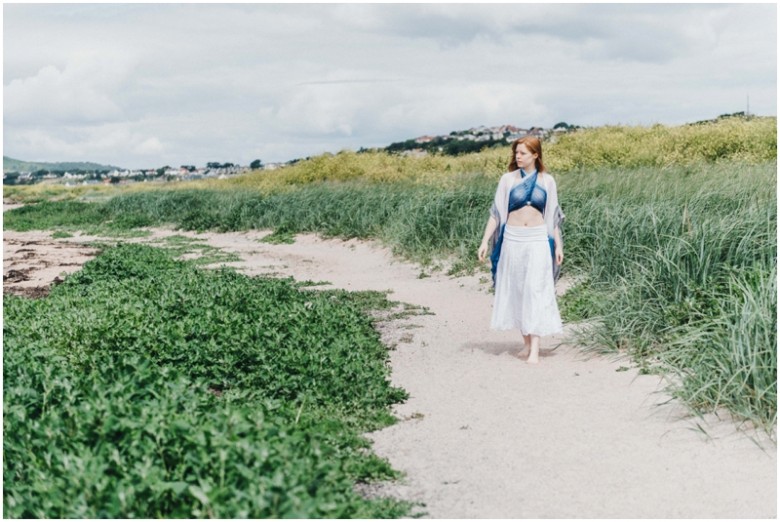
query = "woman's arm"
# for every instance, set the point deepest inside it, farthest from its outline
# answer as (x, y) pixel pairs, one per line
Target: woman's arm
(558, 246)
(552, 215)
(489, 229)
(496, 217)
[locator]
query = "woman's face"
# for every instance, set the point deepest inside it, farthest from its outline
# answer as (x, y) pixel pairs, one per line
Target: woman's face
(525, 160)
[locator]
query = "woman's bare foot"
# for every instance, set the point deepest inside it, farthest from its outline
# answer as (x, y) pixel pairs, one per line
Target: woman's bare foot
(533, 356)
(525, 350)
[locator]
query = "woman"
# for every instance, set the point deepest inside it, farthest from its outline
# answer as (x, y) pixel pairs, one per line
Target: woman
(525, 225)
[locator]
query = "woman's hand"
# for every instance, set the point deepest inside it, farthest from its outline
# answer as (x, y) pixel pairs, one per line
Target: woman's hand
(482, 252)
(489, 229)
(558, 256)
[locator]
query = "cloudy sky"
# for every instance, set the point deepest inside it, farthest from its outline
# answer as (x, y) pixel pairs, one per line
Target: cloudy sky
(145, 85)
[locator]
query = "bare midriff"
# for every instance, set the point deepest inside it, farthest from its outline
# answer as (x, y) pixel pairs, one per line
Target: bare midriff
(525, 217)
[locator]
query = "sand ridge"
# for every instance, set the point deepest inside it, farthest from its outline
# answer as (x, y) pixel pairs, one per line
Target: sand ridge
(484, 435)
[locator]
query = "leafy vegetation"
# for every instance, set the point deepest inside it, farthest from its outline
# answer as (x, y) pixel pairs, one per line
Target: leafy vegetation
(145, 387)
(196, 250)
(278, 237)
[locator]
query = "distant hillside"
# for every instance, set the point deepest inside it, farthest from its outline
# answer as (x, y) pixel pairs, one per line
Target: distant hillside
(15, 165)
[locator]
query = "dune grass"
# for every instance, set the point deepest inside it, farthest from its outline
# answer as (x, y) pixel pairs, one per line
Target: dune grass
(680, 272)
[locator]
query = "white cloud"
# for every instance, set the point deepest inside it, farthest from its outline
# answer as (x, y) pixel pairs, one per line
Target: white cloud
(150, 84)
(149, 147)
(103, 143)
(81, 92)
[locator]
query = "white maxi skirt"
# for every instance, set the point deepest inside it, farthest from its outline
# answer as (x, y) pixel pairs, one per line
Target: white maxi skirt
(525, 288)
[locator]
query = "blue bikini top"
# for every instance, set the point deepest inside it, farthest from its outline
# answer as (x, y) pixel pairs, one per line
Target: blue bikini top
(527, 192)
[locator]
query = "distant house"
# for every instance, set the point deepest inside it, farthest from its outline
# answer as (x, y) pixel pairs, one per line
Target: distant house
(519, 133)
(509, 129)
(272, 166)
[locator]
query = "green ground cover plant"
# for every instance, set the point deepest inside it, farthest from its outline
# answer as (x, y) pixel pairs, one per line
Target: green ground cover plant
(143, 386)
(199, 252)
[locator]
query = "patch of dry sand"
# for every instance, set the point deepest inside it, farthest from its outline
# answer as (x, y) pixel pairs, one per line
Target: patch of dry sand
(484, 435)
(34, 261)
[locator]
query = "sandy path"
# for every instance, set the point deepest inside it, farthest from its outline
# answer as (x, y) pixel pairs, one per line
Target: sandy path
(484, 435)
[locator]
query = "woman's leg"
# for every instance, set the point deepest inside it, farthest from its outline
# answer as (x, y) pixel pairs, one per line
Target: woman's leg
(533, 357)
(526, 346)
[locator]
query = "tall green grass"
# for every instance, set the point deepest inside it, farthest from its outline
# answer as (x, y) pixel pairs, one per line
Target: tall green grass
(680, 265)
(418, 221)
(729, 359)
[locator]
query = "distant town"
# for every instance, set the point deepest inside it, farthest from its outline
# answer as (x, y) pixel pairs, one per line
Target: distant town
(95, 176)
(474, 139)
(16, 172)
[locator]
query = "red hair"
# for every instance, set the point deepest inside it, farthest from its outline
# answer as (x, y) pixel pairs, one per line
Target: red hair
(534, 146)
